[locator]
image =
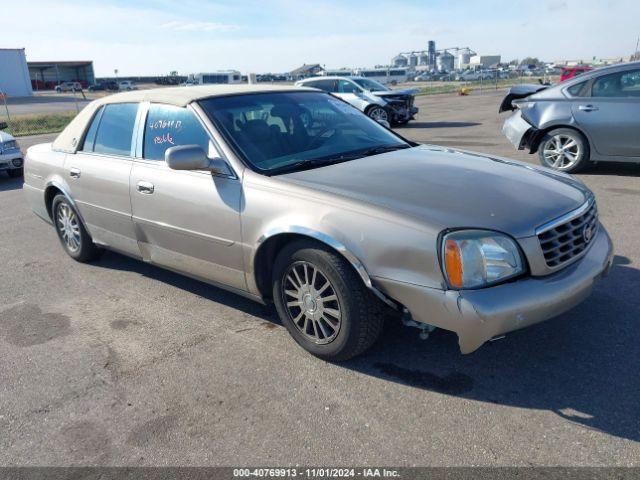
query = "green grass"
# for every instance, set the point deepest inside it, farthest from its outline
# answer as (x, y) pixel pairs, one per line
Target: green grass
(453, 87)
(22, 125)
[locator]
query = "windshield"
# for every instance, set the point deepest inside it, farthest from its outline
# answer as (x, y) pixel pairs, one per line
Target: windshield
(288, 131)
(370, 85)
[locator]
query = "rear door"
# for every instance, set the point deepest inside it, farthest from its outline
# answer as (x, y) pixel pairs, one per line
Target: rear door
(98, 176)
(611, 114)
(188, 221)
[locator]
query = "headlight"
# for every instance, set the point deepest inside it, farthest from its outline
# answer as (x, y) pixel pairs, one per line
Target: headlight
(478, 258)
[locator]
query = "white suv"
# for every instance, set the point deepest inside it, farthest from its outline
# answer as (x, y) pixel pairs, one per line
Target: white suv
(376, 100)
(69, 87)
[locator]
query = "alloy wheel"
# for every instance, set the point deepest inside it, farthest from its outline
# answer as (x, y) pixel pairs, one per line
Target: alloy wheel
(562, 151)
(68, 226)
(311, 302)
(378, 114)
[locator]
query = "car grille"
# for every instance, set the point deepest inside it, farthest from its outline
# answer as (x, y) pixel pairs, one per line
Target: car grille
(564, 241)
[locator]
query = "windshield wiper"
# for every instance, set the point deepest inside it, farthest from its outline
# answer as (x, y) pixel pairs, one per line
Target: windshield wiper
(384, 149)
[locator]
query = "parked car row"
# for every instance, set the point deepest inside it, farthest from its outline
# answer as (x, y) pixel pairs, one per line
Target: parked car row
(111, 86)
(594, 117)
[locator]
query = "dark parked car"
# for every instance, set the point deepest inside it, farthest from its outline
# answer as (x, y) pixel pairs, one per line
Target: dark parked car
(104, 86)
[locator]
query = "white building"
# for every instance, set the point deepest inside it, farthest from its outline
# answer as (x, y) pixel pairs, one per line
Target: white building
(14, 74)
(484, 61)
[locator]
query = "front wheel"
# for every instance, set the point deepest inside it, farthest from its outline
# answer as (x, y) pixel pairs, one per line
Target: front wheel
(323, 302)
(378, 113)
(564, 149)
(74, 237)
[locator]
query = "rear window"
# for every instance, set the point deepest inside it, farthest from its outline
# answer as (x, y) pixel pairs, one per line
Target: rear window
(578, 90)
(115, 129)
(168, 126)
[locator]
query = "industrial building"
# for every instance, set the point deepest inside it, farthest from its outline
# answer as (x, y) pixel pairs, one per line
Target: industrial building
(46, 75)
(14, 74)
(444, 60)
(484, 61)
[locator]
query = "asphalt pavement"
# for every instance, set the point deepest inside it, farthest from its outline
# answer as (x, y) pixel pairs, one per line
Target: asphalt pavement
(122, 363)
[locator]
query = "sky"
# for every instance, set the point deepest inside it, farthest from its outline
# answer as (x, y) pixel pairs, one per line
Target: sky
(155, 37)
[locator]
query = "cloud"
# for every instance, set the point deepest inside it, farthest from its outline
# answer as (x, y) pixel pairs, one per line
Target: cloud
(187, 26)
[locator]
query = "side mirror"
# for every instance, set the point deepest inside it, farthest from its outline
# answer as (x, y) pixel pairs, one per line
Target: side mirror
(193, 157)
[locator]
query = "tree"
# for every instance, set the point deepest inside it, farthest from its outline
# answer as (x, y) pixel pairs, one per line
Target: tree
(531, 61)
(173, 73)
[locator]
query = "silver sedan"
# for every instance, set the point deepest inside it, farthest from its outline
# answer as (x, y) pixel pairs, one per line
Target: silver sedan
(592, 118)
(291, 196)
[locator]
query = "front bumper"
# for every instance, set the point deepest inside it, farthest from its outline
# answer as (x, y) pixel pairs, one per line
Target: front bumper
(516, 129)
(478, 315)
(402, 113)
(6, 160)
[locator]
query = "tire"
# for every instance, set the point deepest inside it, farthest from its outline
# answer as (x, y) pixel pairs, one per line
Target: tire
(15, 172)
(377, 113)
(73, 236)
(318, 329)
(553, 151)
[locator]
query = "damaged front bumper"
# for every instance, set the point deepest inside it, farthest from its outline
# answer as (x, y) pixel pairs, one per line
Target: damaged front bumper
(479, 315)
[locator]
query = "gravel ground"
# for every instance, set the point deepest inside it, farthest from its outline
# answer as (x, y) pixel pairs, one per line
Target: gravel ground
(121, 363)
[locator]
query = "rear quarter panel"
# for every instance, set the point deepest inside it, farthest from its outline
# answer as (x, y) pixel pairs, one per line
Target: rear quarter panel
(43, 168)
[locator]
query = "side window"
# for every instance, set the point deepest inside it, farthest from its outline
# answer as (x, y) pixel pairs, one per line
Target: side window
(345, 86)
(168, 126)
(326, 85)
(578, 90)
(621, 84)
(90, 137)
(116, 129)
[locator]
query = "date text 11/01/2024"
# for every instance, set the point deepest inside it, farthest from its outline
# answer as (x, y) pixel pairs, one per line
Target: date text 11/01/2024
(316, 472)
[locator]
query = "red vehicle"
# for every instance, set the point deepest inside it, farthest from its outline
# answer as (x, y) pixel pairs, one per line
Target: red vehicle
(571, 72)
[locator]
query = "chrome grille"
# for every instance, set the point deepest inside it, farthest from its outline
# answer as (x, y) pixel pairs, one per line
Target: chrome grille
(567, 239)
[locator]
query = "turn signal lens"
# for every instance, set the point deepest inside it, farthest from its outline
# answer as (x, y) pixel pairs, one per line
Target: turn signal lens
(453, 263)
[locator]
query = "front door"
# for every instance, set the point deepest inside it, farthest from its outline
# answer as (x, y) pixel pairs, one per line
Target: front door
(351, 93)
(611, 115)
(188, 221)
(98, 177)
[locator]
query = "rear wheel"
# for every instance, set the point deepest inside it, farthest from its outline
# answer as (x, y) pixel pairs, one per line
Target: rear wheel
(323, 303)
(74, 237)
(564, 149)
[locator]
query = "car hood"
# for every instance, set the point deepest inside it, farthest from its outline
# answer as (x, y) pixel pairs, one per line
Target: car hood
(450, 189)
(391, 93)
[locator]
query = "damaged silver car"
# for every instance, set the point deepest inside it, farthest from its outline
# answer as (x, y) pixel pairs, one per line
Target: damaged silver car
(291, 196)
(592, 118)
(383, 104)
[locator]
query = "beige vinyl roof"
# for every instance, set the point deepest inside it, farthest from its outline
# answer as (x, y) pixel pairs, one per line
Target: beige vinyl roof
(69, 139)
(182, 96)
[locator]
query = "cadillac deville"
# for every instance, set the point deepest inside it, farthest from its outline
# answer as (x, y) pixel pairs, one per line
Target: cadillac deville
(292, 196)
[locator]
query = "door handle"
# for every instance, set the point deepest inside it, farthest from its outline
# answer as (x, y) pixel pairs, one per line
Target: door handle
(587, 108)
(145, 187)
(74, 172)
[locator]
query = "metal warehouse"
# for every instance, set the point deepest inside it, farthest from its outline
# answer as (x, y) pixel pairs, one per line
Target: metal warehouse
(14, 75)
(46, 75)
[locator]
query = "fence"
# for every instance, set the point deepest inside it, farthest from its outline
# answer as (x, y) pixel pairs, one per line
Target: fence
(40, 114)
